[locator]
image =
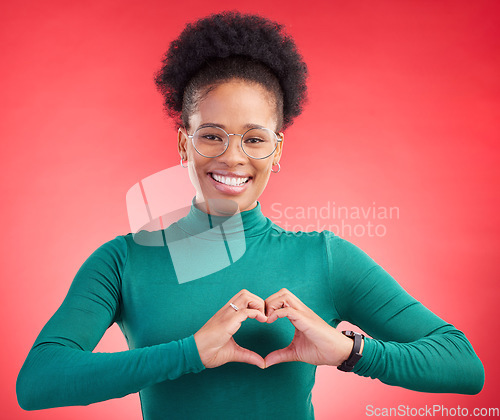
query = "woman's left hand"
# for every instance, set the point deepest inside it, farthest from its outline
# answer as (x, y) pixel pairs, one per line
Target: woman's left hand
(315, 341)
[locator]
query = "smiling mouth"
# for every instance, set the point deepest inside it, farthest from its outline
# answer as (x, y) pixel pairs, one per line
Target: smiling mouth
(230, 181)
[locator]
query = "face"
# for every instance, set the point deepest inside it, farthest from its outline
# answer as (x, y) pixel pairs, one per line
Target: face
(234, 106)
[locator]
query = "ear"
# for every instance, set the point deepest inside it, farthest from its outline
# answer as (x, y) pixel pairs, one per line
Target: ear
(182, 140)
(279, 148)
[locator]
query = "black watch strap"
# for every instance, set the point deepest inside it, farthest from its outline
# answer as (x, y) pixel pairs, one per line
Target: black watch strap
(354, 357)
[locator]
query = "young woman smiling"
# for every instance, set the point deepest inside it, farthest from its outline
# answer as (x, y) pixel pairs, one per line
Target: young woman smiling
(234, 83)
(235, 106)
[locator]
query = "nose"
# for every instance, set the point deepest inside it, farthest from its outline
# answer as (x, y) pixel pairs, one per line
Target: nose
(234, 154)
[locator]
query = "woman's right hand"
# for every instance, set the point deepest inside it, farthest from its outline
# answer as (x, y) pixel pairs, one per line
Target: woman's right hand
(214, 340)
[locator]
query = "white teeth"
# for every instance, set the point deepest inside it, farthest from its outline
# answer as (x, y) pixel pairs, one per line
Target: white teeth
(230, 181)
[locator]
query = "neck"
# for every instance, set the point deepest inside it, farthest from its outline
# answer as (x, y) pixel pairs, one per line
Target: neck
(220, 206)
(202, 224)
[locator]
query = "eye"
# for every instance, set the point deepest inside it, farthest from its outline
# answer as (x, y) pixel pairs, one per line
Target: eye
(211, 137)
(254, 140)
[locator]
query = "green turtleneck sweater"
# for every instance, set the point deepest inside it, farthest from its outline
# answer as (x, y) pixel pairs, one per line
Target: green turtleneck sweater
(161, 287)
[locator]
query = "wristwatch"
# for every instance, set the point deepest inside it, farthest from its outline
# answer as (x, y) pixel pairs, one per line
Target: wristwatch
(348, 364)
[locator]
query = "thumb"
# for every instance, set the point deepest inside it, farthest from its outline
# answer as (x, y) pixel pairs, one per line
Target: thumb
(278, 356)
(243, 355)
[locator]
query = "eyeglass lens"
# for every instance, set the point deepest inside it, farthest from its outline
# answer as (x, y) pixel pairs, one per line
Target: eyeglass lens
(212, 141)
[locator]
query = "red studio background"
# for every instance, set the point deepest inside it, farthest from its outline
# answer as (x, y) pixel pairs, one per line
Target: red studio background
(403, 112)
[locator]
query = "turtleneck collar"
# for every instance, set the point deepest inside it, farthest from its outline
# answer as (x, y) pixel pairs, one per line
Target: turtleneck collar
(202, 224)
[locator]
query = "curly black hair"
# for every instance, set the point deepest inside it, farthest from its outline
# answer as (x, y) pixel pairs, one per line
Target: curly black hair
(231, 45)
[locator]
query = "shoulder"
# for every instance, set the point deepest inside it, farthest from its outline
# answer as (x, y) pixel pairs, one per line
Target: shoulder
(326, 237)
(332, 244)
(118, 246)
(331, 241)
(102, 272)
(110, 254)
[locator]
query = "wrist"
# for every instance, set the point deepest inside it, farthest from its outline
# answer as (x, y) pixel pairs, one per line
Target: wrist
(346, 349)
(356, 351)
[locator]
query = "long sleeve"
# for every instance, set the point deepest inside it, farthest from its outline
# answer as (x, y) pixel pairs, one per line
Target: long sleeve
(62, 370)
(411, 347)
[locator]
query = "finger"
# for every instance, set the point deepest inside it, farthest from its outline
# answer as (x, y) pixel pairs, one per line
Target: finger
(278, 356)
(243, 355)
(282, 299)
(281, 303)
(238, 297)
(291, 313)
(256, 302)
(271, 307)
(255, 314)
(275, 302)
(246, 299)
(235, 318)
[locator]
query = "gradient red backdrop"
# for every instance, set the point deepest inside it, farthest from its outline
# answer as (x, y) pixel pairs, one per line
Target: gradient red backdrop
(403, 111)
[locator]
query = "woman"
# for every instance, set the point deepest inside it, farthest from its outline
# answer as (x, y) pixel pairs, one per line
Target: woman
(234, 83)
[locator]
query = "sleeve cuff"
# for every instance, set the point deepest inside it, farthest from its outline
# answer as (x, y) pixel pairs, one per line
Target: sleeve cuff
(179, 358)
(193, 360)
(364, 364)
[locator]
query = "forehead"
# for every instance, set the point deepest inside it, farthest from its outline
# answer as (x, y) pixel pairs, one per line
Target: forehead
(235, 104)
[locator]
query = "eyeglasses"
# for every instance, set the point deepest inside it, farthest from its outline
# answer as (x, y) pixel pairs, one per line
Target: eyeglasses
(212, 141)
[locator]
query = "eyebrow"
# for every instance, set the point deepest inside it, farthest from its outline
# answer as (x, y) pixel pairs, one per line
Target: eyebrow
(247, 126)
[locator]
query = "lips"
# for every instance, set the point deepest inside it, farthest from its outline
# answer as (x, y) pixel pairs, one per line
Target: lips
(229, 182)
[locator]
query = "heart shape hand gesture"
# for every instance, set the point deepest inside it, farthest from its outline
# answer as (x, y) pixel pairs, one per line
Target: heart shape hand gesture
(315, 341)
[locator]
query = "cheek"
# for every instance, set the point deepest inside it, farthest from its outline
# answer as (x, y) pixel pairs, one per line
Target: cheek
(193, 176)
(196, 170)
(263, 171)
(197, 162)
(190, 151)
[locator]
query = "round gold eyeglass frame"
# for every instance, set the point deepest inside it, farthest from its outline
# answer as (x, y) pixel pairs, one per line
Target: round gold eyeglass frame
(278, 136)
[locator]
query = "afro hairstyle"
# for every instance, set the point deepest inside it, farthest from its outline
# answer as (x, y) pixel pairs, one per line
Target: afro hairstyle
(230, 45)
